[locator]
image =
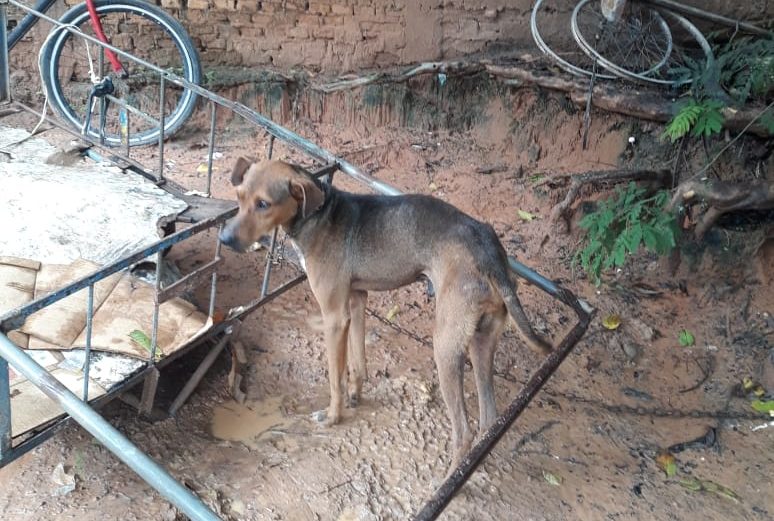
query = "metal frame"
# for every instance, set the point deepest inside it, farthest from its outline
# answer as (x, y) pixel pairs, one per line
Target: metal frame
(82, 411)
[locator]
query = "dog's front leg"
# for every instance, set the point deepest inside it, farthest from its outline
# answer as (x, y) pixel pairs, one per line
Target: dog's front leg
(336, 329)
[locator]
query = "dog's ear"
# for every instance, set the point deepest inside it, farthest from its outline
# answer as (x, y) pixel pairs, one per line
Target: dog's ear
(238, 172)
(307, 194)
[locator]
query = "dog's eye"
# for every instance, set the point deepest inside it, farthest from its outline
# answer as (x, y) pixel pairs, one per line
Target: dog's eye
(262, 205)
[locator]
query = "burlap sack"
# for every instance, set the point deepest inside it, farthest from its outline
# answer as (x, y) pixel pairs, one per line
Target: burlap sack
(62, 322)
(17, 288)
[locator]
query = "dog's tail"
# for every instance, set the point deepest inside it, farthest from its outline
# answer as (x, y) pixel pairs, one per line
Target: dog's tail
(507, 290)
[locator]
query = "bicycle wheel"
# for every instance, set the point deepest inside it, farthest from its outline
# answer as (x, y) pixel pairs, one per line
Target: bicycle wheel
(639, 46)
(639, 41)
(146, 32)
(550, 22)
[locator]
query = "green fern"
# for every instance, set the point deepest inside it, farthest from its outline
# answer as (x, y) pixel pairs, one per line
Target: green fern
(683, 121)
(710, 120)
(700, 118)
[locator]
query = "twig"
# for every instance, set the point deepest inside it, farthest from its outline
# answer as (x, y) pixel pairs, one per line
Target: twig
(740, 134)
(562, 209)
(705, 374)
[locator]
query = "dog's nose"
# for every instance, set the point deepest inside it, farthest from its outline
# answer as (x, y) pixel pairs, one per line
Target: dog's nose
(226, 236)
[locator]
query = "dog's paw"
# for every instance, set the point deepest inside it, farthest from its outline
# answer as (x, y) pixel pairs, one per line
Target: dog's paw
(353, 400)
(320, 416)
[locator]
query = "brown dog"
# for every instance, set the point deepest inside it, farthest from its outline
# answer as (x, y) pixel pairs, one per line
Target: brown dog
(351, 244)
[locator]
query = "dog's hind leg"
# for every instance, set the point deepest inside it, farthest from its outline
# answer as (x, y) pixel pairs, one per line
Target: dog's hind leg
(450, 341)
(481, 352)
(356, 359)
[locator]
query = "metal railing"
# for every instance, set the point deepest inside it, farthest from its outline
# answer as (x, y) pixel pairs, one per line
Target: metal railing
(78, 408)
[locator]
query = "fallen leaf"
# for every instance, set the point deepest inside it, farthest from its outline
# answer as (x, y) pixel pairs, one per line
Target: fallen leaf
(700, 485)
(141, 339)
(202, 168)
(394, 310)
(433, 187)
(525, 216)
(611, 321)
(667, 463)
(747, 384)
(552, 479)
(685, 338)
(763, 406)
(759, 391)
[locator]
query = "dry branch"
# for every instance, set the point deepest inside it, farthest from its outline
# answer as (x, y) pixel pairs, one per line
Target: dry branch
(563, 209)
(722, 197)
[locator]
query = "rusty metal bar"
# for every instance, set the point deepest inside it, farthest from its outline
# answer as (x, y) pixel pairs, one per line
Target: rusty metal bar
(5, 410)
(444, 494)
(5, 73)
(707, 15)
(214, 281)
(87, 351)
(197, 376)
(162, 108)
(189, 282)
(156, 304)
(210, 147)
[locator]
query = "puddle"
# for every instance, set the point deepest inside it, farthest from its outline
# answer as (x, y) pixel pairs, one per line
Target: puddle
(248, 422)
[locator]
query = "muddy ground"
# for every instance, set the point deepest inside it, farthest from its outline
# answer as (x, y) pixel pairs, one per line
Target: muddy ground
(586, 446)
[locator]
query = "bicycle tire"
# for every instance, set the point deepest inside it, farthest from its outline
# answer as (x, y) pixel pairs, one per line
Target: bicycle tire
(51, 54)
(645, 77)
(610, 65)
(564, 64)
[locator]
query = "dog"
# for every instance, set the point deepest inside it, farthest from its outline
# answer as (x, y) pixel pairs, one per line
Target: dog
(351, 244)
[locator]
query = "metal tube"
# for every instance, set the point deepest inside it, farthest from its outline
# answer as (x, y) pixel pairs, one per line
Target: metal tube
(444, 494)
(102, 104)
(269, 258)
(156, 306)
(27, 22)
(161, 128)
(123, 116)
(116, 442)
(197, 376)
(5, 75)
(130, 108)
(211, 148)
(5, 409)
(214, 283)
(712, 17)
(87, 360)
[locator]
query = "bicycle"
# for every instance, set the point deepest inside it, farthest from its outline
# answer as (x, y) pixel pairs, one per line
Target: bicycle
(73, 85)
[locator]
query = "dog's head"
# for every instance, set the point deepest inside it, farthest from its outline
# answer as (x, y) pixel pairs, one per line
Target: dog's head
(270, 194)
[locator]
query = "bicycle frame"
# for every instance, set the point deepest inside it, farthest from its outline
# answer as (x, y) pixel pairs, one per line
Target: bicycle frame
(43, 6)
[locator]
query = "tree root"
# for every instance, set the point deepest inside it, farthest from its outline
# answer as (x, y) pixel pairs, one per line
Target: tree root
(722, 197)
(563, 209)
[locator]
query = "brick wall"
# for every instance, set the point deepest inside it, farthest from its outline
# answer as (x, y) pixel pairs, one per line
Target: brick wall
(338, 36)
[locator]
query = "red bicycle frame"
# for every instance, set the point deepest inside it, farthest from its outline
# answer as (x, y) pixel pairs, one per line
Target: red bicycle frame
(97, 25)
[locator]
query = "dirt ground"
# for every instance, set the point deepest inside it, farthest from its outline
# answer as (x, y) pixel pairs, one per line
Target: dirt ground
(585, 448)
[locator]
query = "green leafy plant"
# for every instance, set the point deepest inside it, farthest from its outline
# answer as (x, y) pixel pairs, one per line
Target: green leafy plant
(620, 225)
(700, 118)
(746, 68)
(686, 338)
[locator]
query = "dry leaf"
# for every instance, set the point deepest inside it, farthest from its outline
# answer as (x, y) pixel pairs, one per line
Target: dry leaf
(611, 321)
(525, 216)
(394, 310)
(667, 463)
(553, 479)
